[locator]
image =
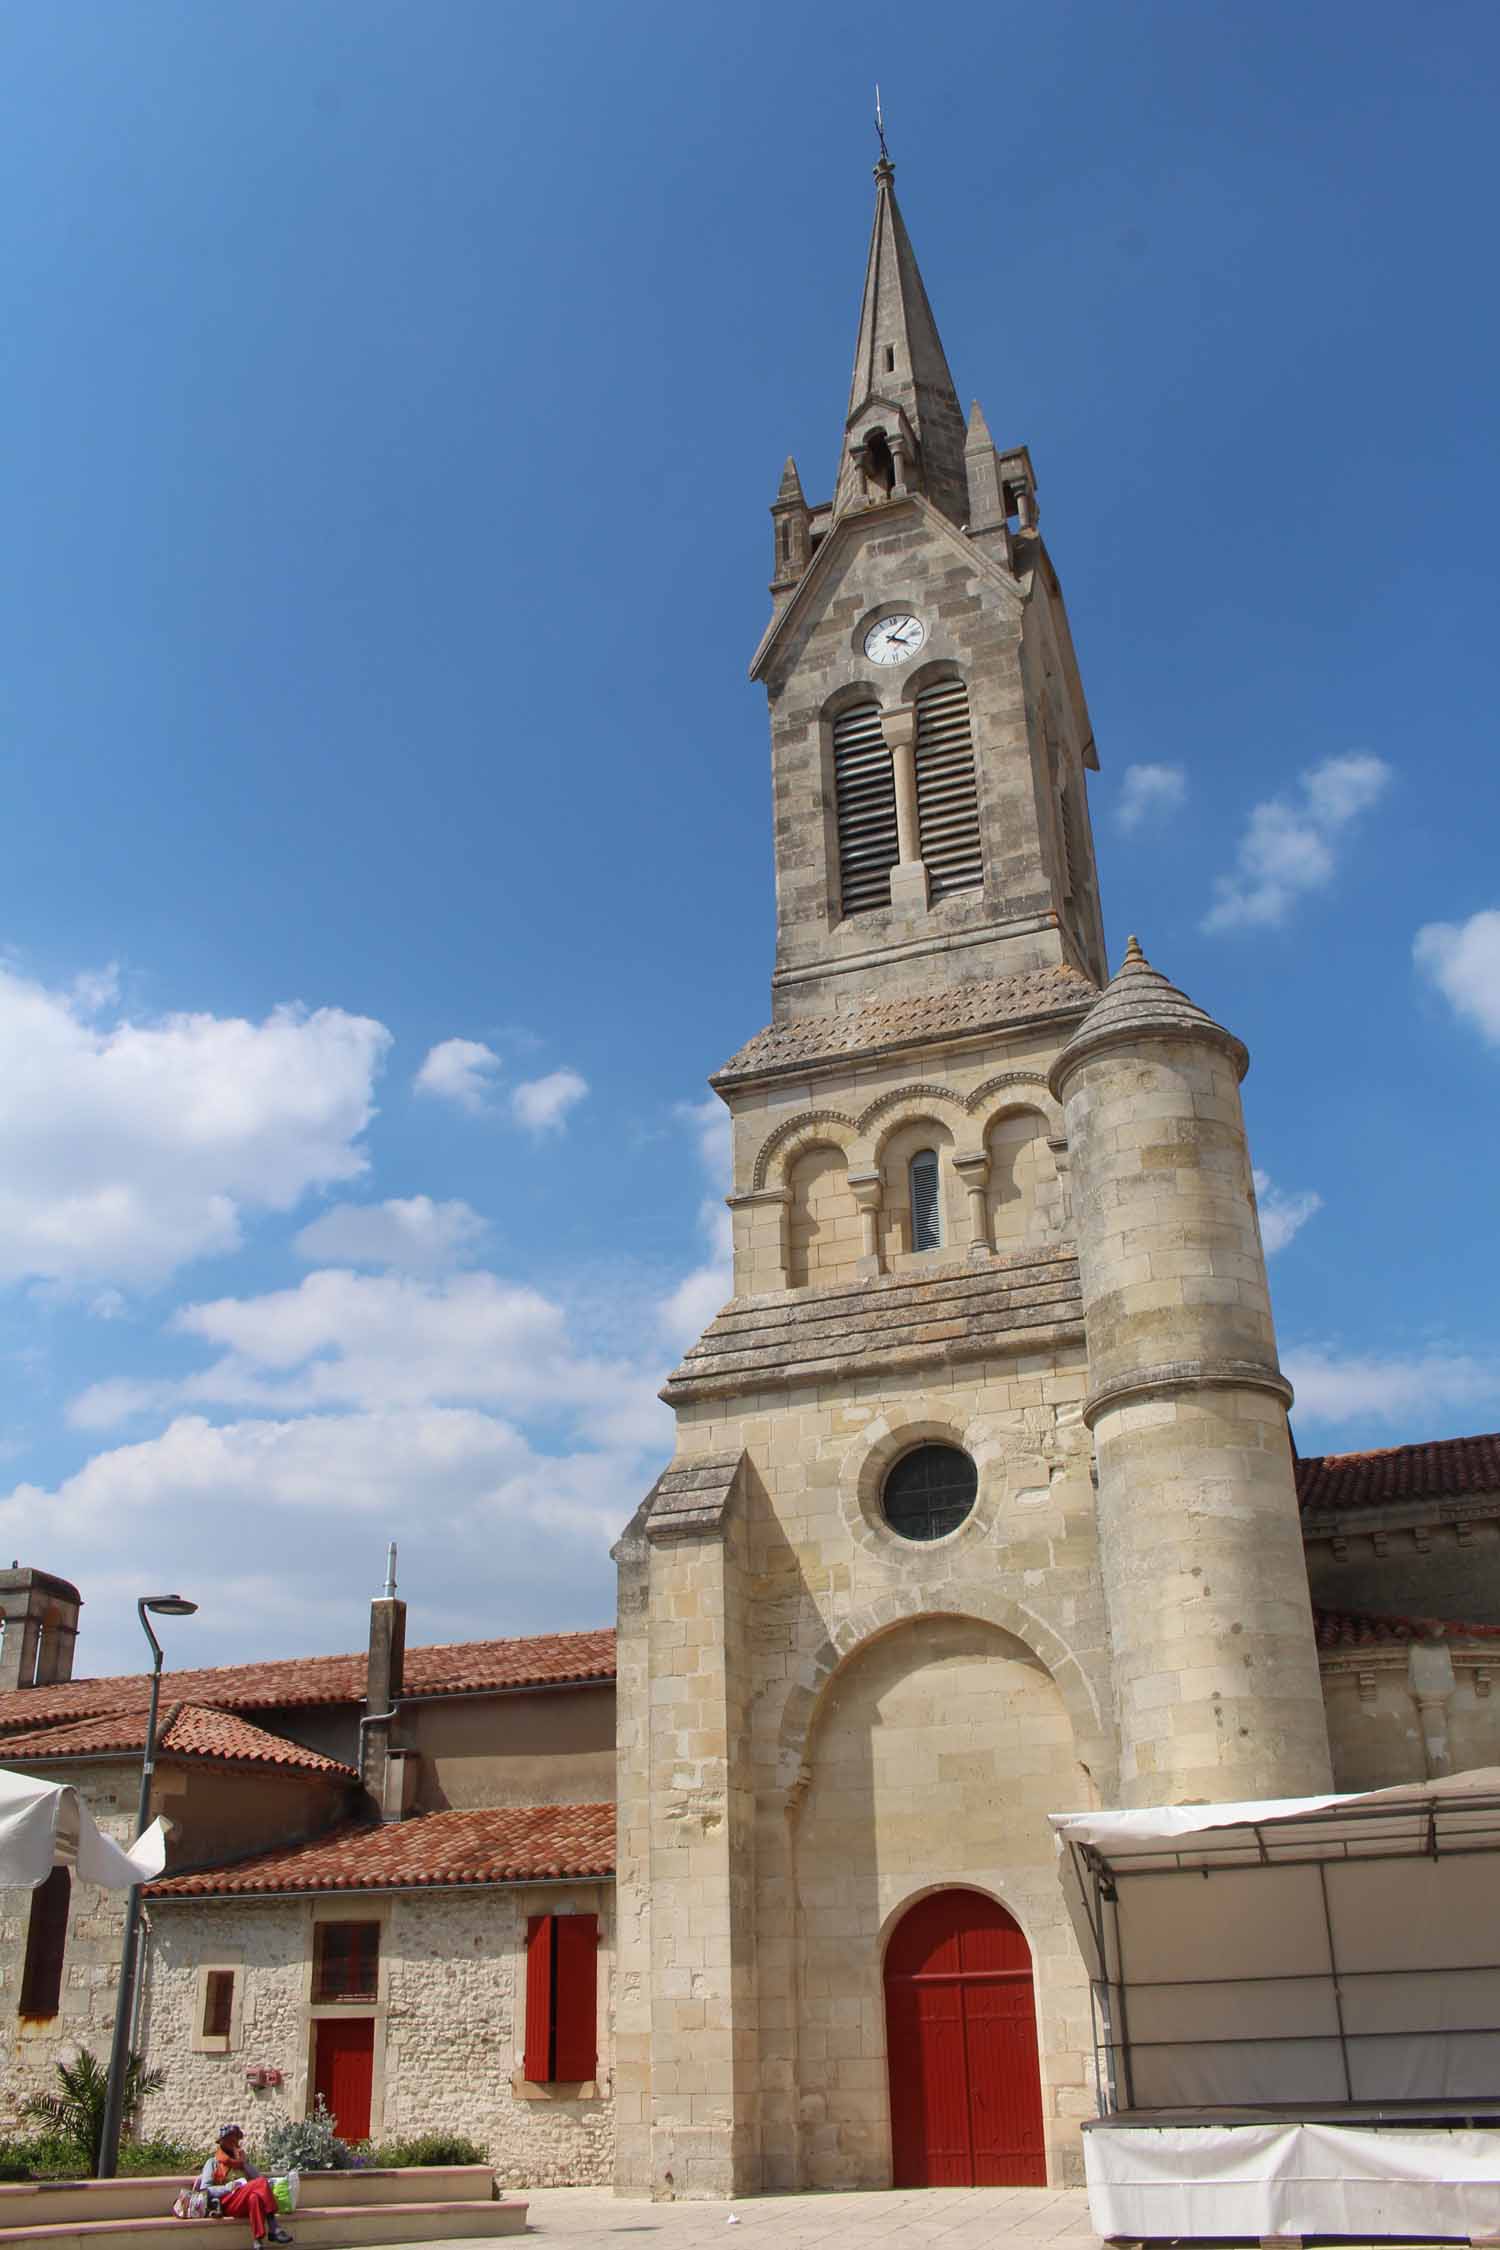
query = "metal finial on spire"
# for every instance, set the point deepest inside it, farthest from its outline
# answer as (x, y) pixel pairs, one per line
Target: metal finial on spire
(885, 154)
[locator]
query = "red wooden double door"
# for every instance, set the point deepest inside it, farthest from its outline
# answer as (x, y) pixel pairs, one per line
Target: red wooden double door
(960, 2011)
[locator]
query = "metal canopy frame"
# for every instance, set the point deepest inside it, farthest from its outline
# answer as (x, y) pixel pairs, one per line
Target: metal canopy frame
(1447, 1819)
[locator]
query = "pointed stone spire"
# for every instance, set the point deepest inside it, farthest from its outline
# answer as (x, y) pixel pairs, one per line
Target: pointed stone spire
(1140, 1003)
(792, 519)
(899, 363)
(987, 515)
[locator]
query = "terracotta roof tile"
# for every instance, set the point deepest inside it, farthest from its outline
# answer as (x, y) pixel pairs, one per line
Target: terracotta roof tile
(505, 1844)
(541, 1660)
(1344, 1628)
(1448, 1468)
(965, 1005)
(189, 1730)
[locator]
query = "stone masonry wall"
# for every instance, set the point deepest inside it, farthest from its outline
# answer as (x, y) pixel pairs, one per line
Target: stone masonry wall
(91, 1962)
(449, 2021)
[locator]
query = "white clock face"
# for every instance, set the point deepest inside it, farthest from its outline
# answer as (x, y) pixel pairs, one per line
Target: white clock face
(891, 640)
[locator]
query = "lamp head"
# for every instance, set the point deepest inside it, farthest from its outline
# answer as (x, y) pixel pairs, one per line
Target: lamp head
(169, 1605)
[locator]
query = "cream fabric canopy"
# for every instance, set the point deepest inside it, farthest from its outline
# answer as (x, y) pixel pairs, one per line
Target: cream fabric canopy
(45, 1824)
(1325, 1952)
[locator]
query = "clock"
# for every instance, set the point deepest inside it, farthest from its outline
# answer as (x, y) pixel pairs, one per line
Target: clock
(891, 640)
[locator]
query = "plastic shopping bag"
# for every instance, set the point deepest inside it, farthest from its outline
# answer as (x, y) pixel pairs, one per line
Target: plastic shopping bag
(286, 2191)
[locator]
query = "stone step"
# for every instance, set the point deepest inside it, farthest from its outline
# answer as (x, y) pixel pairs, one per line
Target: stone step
(327, 2228)
(29, 2203)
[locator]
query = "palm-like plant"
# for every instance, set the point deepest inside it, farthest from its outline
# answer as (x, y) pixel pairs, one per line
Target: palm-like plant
(77, 2113)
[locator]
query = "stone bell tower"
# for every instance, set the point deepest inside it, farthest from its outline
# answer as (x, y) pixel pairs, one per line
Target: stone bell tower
(993, 1217)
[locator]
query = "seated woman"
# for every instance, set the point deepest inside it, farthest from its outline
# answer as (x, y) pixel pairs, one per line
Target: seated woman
(236, 2192)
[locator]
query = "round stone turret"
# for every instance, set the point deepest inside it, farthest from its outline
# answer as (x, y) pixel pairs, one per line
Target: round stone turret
(1215, 1661)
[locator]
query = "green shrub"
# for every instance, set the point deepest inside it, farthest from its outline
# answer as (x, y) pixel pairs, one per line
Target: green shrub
(160, 2154)
(306, 2144)
(427, 2148)
(41, 2156)
(76, 2112)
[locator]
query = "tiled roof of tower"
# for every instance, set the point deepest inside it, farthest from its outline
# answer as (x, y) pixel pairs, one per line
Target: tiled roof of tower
(504, 1844)
(1343, 1628)
(541, 1660)
(1448, 1468)
(961, 1007)
(190, 1730)
(895, 1320)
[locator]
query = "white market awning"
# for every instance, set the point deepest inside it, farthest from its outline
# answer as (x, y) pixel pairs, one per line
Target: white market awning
(1294, 1953)
(45, 1824)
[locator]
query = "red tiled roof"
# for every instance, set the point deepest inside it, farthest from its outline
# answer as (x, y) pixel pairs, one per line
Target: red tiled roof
(504, 1844)
(541, 1660)
(190, 1730)
(1345, 1628)
(1448, 1468)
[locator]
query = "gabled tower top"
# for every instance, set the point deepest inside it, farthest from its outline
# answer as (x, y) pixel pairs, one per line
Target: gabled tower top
(904, 420)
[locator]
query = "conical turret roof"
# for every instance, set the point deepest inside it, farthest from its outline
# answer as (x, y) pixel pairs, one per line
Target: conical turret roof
(1140, 1003)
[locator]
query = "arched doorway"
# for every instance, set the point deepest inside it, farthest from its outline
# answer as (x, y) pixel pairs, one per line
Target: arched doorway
(960, 2017)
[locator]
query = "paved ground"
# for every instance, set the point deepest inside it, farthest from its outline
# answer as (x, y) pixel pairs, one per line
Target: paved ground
(903, 2219)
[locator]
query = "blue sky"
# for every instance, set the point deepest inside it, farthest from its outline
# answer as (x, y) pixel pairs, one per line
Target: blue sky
(391, 401)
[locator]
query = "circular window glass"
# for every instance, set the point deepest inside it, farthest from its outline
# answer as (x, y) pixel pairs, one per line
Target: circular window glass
(929, 1492)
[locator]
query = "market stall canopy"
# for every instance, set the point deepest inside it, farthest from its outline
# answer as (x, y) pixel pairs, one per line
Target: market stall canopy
(45, 1824)
(1300, 1951)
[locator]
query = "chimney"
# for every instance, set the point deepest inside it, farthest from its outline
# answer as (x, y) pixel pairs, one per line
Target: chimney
(384, 1681)
(40, 1618)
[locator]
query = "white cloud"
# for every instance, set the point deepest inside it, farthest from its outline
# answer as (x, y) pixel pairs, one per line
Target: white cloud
(461, 1071)
(1149, 790)
(409, 1232)
(497, 1535)
(1281, 1213)
(129, 1148)
(372, 1341)
(688, 1309)
(1289, 847)
(1364, 1387)
(542, 1104)
(1463, 960)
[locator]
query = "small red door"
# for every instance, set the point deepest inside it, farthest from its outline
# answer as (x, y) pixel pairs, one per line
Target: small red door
(343, 2071)
(966, 2087)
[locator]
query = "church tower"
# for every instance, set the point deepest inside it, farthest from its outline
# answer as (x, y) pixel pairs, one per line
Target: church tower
(982, 1502)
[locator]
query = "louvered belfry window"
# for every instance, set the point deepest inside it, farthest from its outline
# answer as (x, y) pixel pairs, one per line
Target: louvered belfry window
(947, 798)
(865, 790)
(926, 1205)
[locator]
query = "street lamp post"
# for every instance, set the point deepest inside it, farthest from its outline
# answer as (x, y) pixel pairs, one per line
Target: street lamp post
(163, 1605)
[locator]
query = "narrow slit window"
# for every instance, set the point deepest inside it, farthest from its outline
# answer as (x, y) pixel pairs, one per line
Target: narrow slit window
(218, 2003)
(46, 1943)
(865, 793)
(890, 359)
(926, 1206)
(947, 791)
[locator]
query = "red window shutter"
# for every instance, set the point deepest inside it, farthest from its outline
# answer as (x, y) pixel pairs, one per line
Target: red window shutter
(576, 2033)
(539, 1956)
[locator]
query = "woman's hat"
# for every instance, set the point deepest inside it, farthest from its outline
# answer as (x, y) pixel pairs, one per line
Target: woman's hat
(231, 2133)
